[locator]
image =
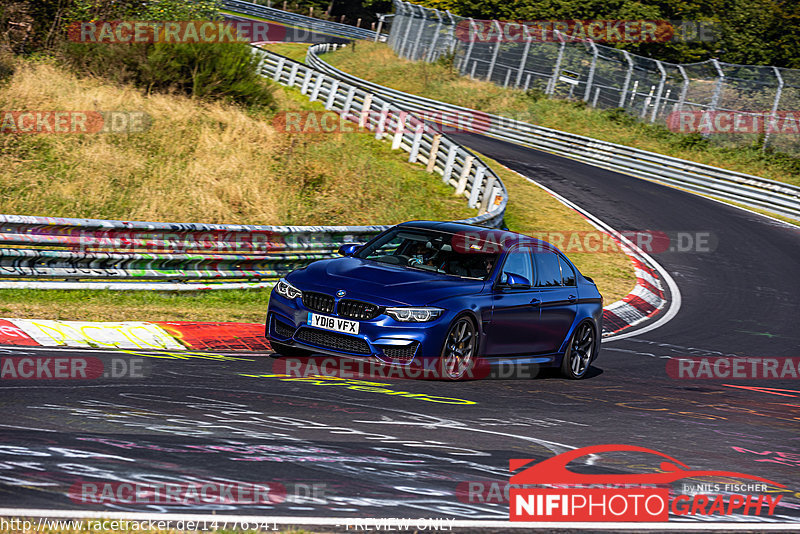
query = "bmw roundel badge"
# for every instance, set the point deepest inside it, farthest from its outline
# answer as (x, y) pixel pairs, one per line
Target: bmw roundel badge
(341, 293)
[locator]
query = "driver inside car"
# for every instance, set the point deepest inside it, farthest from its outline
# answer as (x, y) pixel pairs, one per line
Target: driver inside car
(420, 253)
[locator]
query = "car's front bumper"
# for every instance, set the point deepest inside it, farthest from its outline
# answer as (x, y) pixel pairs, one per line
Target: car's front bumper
(383, 338)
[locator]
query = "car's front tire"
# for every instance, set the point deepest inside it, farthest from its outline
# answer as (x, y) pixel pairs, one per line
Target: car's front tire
(580, 351)
(460, 347)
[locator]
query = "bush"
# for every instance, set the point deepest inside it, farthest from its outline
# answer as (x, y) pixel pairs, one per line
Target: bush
(620, 116)
(219, 71)
(535, 93)
(693, 141)
(212, 71)
(7, 65)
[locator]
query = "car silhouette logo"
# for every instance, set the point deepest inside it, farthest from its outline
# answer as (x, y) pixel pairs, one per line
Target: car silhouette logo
(341, 293)
(554, 470)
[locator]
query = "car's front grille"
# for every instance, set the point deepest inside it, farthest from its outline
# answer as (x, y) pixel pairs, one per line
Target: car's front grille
(400, 354)
(332, 340)
(319, 302)
(282, 329)
(355, 309)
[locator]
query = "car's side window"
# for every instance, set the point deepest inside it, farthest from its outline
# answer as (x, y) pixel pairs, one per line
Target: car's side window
(548, 269)
(517, 262)
(567, 272)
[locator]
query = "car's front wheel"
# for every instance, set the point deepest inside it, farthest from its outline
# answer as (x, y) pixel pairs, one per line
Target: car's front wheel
(460, 346)
(579, 352)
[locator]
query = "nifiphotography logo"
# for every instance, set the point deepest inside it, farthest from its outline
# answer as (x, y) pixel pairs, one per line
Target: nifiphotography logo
(572, 496)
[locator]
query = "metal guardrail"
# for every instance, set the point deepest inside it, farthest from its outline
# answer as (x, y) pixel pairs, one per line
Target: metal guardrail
(78, 249)
(293, 19)
(459, 168)
(37, 249)
(568, 64)
(748, 190)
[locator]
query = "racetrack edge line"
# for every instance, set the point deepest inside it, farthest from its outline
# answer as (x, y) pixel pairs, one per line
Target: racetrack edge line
(675, 294)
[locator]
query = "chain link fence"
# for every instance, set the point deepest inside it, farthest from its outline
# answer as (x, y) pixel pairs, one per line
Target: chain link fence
(766, 100)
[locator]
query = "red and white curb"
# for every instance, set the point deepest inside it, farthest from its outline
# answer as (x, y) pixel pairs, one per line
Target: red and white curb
(648, 300)
(136, 335)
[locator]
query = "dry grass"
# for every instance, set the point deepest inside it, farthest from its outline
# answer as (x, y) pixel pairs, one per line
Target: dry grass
(378, 63)
(201, 162)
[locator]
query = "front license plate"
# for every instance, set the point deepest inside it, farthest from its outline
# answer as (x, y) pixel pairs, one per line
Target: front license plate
(333, 323)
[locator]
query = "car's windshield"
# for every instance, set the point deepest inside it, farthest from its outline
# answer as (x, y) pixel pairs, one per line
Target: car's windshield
(430, 250)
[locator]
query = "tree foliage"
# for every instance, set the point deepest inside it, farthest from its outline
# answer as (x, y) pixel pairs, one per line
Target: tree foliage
(762, 32)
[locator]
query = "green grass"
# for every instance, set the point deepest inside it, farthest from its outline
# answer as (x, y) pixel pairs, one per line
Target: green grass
(245, 306)
(378, 63)
(295, 51)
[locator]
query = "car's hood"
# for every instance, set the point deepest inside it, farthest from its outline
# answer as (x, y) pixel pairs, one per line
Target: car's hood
(380, 283)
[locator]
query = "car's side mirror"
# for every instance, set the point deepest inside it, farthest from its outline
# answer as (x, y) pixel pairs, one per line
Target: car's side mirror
(517, 281)
(348, 249)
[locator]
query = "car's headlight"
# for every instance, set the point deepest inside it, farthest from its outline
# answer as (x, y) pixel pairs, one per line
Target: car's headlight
(414, 315)
(287, 290)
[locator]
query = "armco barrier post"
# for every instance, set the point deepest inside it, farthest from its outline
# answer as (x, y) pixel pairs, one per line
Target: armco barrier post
(462, 181)
(399, 130)
(380, 128)
(414, 152)
(476, 187)
(332, 95)
(437, 138)
(448, 165)
(366, 108)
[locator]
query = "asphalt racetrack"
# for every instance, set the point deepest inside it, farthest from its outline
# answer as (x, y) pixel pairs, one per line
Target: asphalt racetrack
(406, 448)
(380, 451)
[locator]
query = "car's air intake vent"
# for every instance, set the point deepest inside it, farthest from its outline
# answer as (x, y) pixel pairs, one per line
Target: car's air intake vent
(319, 302)
(400, 354)
(360, 311)
(282, 329)
(331, 340)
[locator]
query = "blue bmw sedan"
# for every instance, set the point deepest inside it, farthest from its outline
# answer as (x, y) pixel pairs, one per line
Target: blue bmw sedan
(442, 292)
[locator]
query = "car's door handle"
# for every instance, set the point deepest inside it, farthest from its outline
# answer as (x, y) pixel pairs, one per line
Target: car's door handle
(535, 302)
(572, 298)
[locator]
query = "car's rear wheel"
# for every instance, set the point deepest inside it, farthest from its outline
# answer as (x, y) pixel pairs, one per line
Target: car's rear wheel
(460, 346)
(580, 351)
(286, 350)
